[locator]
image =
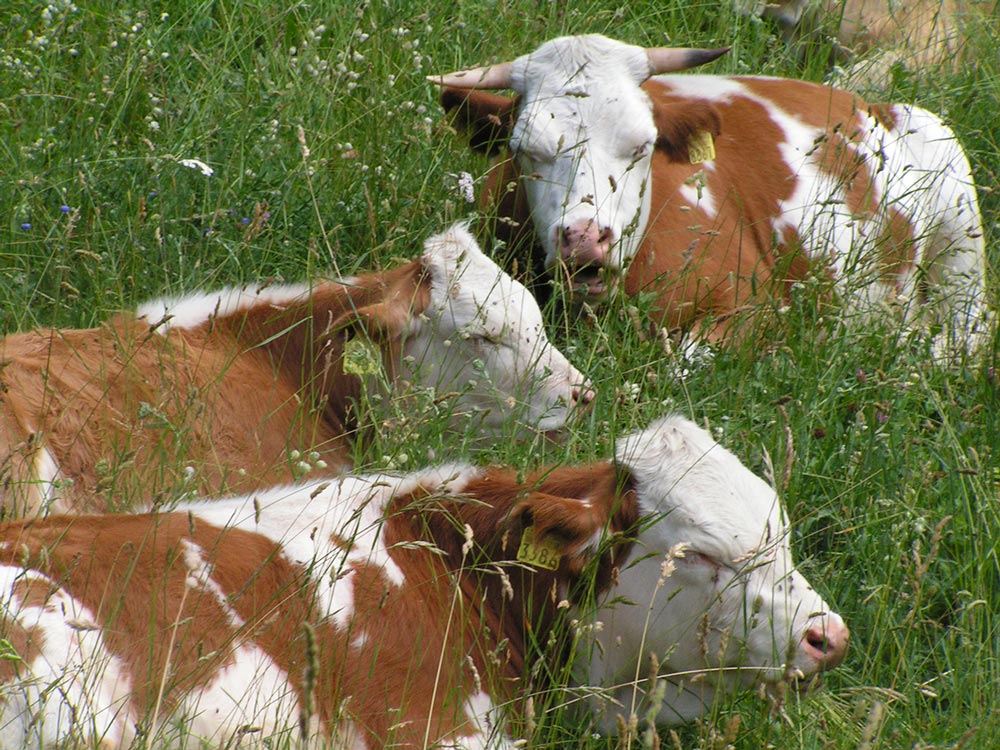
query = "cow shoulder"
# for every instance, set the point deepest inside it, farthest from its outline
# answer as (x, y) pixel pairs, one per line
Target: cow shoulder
(486, 118)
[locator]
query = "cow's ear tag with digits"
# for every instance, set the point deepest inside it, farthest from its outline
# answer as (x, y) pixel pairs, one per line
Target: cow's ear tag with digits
(541, 554)
(361, 357)
(701, 147)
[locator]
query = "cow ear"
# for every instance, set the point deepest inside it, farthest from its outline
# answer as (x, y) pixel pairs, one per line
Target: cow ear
(568, 525)
(392, 316)
(677, 123)
(382, 321)
(485, 118)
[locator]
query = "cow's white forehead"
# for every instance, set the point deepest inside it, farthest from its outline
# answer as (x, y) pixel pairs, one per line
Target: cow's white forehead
(712, 501)
(574, 64)
(574, 87)
(465, 282)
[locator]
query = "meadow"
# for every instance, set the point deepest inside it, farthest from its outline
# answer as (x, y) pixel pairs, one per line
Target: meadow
(155, 148)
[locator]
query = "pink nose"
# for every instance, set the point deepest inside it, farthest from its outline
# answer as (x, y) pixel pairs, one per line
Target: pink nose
(826, 642)
(585, 243)
(583, 395)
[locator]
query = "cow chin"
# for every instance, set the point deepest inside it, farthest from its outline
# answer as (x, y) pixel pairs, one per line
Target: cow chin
(591, 283)
(692, 699)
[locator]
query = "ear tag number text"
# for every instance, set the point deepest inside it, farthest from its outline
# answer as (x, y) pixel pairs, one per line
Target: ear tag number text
(701, 147)
(540, 554)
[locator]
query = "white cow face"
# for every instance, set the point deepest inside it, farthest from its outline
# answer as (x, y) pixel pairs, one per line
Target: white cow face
(733, 612)
(584, 140)
(483, 337)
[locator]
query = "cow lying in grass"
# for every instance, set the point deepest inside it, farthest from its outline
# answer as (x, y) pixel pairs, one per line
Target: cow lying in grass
(712, 194)
(224, 391)
(871, 36)
(375, 611)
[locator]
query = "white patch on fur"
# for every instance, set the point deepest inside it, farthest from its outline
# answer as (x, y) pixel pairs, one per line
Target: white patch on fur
(199, 576)
(193, 310)
(45, 478)
(76, 687)
(488, 723)
(251, 691)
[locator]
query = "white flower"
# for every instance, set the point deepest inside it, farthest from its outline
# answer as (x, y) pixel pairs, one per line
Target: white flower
(465, 186)
(197, 164)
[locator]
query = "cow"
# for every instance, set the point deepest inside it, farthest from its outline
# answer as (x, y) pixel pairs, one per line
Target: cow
(870, 36)
(713, 194)
(376, 610)
(242, 388)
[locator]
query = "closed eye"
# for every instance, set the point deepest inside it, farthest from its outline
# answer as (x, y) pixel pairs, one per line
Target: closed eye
(698, 558)
(483, 338)
(642, 150)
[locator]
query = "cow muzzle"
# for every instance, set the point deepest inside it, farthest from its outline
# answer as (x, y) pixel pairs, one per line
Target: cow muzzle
(584, 252)
(825, 642)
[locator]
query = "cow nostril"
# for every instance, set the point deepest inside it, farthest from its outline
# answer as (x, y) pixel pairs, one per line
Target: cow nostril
(817, 639)
(583, 395)
(828, 644)
(606, 237)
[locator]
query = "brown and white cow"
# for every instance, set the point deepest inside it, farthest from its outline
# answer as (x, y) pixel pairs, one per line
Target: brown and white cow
(377, 610)
(714, 192)
(233, 390)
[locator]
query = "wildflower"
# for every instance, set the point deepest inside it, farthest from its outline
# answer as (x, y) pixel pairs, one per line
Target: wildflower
(465, 187)
(197, 164)
(26, 226)
(64, 209)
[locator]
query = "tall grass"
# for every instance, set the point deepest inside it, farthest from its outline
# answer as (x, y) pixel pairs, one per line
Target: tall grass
(329, 154)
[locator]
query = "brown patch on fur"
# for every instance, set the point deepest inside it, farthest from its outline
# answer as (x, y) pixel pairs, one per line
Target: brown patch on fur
(124, 410)
(817, 105)
(703, 265)
(486, 118)
(896, 248)
(835, 156)
(883, 115)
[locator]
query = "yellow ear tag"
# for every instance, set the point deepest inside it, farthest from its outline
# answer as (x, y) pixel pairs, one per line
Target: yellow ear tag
(701, 147)
(540, 554)
(361, 357)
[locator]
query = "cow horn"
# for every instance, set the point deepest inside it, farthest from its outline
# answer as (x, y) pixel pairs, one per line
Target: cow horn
(489, 77)
(669, 59)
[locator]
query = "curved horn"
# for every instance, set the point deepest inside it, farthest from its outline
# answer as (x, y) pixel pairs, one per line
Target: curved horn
(488, 77)
(669, 59)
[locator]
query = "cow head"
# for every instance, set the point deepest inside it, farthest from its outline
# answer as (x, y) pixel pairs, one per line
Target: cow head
(583, 133)
(482, 336)
(714, 592)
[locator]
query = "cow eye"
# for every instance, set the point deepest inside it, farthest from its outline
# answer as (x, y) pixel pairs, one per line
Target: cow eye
(699, 558)
(484, 338)
(642, 150)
